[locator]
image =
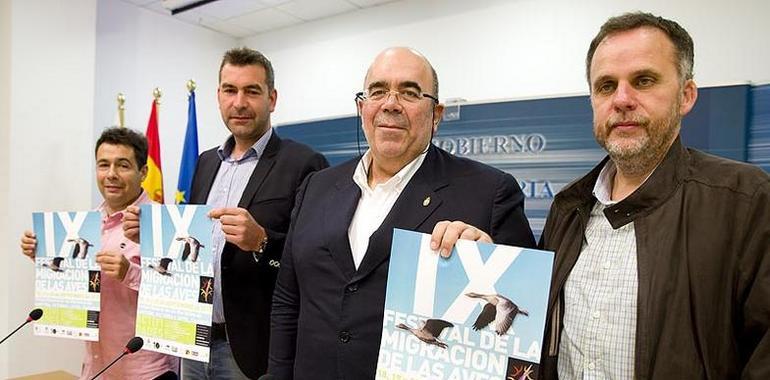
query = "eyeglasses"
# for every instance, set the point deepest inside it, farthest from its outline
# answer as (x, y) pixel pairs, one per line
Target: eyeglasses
(407, 95)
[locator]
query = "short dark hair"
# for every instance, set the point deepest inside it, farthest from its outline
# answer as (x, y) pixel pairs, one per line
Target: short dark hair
(127, 137)
(683, 45)
(244, 56)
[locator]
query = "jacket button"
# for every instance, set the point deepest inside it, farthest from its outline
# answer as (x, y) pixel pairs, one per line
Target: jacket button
(352, 288)
(344, 337)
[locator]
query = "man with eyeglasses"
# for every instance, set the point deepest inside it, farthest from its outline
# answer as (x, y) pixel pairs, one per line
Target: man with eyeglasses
(329, 299)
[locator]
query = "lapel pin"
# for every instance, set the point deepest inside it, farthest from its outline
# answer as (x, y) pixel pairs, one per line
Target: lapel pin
(426, 202)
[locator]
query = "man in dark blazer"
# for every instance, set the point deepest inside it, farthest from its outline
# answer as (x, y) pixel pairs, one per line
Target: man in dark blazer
(251, 180)
(330, 295)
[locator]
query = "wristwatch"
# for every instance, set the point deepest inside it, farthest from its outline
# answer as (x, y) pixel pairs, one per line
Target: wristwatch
(260, 250)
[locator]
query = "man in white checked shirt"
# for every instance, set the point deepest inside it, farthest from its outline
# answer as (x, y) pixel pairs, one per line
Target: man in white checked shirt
(662, 268)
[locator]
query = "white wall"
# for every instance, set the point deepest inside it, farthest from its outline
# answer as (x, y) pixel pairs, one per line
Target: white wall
(484, 50)
(497, 49)
(138, 50)
(65, 63)
(5, 121)
(46, 146)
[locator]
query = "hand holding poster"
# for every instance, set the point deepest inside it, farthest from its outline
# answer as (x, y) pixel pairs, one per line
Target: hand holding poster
(67, 278)
(479, 314)
(175, 298)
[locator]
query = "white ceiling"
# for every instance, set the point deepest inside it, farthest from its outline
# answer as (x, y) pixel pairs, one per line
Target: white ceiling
(246, 18)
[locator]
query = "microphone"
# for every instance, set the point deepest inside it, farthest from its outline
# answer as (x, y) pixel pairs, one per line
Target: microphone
(34, 315)
(132, 346)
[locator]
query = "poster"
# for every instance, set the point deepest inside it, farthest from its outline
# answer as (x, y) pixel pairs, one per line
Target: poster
(67, 278)
(176, 294)
(479, 314)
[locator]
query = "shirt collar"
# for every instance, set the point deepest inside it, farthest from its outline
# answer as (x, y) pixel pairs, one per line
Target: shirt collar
(118, 215)
(603, 186)
(654, 192)
(397, 182)
(226, 149)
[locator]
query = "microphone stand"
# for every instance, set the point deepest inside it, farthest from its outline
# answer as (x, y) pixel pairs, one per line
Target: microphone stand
(110, 365)
(14, 331)
(134, 345)
(17, 329)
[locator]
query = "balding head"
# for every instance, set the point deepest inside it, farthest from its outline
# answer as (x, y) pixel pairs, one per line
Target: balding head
(400, 117)
(405, 55)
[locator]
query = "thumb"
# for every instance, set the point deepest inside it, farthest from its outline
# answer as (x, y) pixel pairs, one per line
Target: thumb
(216, 213)
(219, 212)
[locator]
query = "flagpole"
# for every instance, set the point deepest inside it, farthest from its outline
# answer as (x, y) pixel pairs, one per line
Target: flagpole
(157, 93)
(191, 85)
(121, 110)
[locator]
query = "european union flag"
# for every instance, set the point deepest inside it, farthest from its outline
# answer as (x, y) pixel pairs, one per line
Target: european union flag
(189, 154)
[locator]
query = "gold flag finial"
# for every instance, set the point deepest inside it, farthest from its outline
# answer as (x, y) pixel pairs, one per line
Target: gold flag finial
(121, 110)
(156, 93)
(191, 85)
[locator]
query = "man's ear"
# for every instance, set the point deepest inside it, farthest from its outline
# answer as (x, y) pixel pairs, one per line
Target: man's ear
(689, 97)
(360, 105)
(438, 114)
(273, 99)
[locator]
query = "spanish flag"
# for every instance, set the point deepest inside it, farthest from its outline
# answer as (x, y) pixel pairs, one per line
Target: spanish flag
(153, 184)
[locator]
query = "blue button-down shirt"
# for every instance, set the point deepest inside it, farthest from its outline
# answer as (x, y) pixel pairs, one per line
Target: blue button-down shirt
(226, 191)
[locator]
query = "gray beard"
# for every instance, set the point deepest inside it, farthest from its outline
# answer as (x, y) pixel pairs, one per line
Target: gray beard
(638, 160)
(643, 157)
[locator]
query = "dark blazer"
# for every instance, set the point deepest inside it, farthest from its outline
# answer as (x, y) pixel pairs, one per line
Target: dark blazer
(327, 316)
(247, 285)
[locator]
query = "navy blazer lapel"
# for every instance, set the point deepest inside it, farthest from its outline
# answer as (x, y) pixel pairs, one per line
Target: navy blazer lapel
(260, 172)
(339, 214)
(415, 204)
(208, 168)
